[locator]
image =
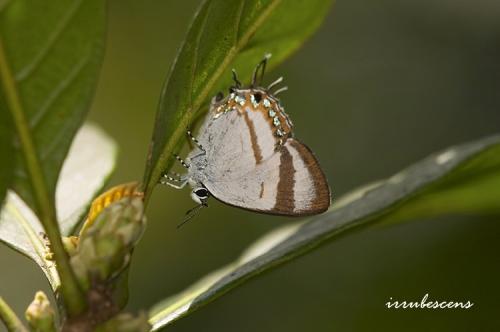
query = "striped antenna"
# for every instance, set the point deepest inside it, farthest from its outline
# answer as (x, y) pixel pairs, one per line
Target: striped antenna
(262, 67)
(235, 79)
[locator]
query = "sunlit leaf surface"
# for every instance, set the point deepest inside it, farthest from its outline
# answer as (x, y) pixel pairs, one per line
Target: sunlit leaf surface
(89, 163)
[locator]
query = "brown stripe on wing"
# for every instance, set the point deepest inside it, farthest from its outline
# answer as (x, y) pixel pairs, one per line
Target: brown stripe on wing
(285, 203)
(321, 202)
(253, 138)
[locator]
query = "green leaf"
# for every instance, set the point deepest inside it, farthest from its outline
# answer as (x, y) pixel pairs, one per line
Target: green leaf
(21, 230)
(461, 180)
(90, 161)
(224, 35)
(53, 50)
(6, 150)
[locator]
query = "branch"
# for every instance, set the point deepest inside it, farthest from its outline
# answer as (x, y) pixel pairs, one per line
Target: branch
(10, 319)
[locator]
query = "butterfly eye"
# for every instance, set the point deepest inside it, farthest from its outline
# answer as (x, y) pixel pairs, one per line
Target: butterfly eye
(202, 193)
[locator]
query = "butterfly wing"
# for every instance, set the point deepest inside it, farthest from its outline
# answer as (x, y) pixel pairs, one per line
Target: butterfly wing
(288, 182)
(235, 143)
(245, 166)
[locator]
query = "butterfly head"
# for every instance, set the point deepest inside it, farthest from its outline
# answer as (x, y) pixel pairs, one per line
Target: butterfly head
(200, 195)
(256, 98)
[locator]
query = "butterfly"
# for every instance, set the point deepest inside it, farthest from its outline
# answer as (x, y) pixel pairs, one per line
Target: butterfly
(246, 156)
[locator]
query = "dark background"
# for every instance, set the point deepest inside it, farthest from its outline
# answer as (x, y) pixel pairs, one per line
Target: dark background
(381, 85)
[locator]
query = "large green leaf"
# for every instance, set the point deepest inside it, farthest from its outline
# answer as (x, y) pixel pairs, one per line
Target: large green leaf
(461, 180)
(6, 149)
(89, 163)
(53, 50)
(224, 35)
(21, 230)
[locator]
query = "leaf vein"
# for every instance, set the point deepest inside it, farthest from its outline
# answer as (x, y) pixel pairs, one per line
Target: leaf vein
(195, 53)
(238, 21)
(26, 72)
(57, 92)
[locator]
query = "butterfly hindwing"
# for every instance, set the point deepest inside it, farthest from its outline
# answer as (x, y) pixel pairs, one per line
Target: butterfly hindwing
(290, 182)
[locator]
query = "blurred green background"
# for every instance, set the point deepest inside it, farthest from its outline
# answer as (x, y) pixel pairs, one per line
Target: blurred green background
(380, 86)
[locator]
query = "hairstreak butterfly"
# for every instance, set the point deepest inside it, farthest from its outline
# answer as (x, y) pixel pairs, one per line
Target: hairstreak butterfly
(246, 156)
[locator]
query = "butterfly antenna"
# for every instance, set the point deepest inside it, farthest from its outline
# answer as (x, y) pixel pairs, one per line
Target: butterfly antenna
(235, 79)
(262, 67)
(192, 213)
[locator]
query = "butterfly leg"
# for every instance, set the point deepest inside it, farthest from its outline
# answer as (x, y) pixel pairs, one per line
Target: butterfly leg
(195, 141)
(177, 182)
(171, 181)
(179, 159)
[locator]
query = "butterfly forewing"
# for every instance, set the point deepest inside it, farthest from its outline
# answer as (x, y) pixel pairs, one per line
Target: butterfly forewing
(229, 148)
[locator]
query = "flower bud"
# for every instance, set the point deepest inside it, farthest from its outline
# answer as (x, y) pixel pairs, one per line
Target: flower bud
(105, 247)
(40, 314)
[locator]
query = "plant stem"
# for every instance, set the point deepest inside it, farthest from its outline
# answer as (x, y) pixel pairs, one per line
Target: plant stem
(73, 296)
(10, 319)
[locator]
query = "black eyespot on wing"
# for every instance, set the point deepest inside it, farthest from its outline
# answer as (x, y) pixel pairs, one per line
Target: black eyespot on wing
(258, 97)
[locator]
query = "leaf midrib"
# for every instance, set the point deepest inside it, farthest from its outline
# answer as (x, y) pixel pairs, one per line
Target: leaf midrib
(37, 244)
